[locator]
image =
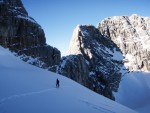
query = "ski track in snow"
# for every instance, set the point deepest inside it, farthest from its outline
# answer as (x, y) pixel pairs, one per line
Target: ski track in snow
(28, 94)
(101, 109)
(24, 94)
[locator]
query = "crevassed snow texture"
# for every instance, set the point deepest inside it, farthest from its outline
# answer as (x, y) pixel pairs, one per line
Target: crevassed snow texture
(28, 89)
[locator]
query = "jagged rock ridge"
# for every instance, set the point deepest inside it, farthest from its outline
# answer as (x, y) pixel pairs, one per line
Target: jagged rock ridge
(22, 34)
(92, 57)
(132, 36)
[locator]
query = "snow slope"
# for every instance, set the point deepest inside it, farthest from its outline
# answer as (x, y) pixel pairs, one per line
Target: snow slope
(28, 89)
(134, 91)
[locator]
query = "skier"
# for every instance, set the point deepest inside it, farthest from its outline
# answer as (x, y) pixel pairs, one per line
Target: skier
(57, 83)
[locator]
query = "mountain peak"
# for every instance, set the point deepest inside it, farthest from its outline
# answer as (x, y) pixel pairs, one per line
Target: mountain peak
(15, 6)
(94, 53)
(135, 15)
(132, 36)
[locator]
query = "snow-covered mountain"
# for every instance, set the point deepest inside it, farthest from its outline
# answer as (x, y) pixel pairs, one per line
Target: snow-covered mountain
(132, 36)
(104, 65)
(93, 60)
(118, 43)
(28, 89)
(96, 60)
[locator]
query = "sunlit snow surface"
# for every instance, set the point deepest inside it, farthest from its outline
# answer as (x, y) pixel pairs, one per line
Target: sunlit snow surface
(28, 89)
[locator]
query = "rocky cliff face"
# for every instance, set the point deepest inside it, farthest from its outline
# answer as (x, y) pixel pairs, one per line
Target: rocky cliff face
(94, 61)
(22, 34)
(132, 36)
(74, 67)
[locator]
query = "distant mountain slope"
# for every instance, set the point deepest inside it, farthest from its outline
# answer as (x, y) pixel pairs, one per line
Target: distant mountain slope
(28, 89)
(134, 91)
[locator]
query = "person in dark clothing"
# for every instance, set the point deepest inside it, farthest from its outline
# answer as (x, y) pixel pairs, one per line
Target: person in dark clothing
(94, 87)
(57, 83)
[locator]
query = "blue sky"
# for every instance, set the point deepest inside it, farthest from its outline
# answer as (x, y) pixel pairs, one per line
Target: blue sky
(58, 18)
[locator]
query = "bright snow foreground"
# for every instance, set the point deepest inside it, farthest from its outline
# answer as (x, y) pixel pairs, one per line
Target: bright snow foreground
(28, 89)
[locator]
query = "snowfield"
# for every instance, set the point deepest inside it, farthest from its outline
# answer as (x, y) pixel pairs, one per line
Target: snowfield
(28, 89)
(134, 91)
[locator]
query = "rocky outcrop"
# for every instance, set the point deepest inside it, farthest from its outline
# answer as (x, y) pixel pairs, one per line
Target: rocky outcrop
(74, 67)
(132, 36)
(92, 61)
(22, 34)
